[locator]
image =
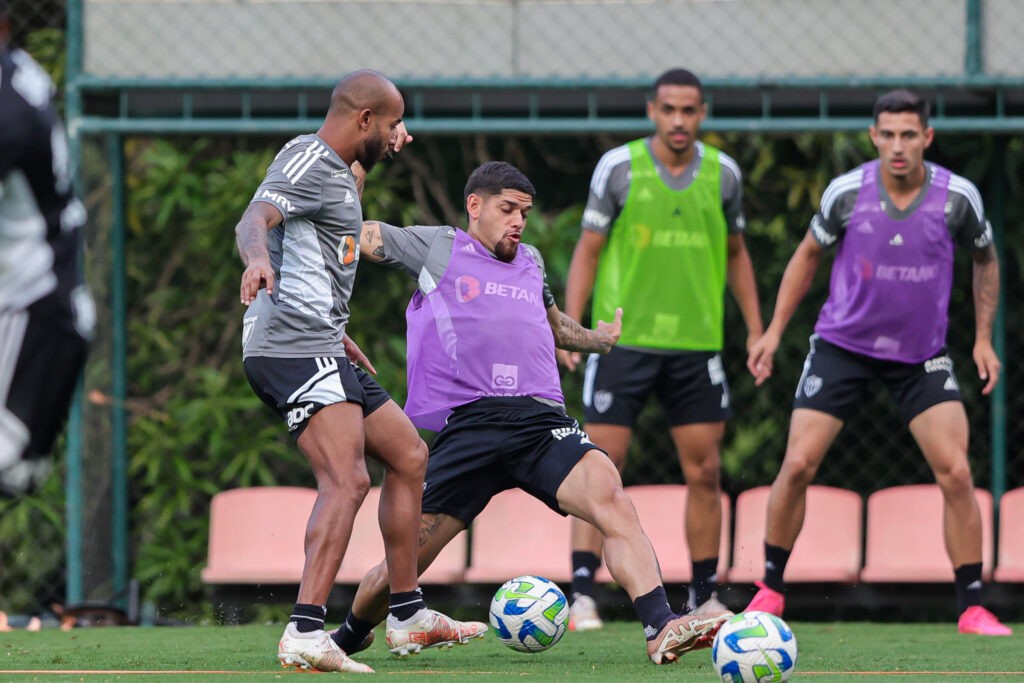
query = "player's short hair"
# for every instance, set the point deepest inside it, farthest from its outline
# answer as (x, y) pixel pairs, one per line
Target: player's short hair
(898, 101)
(494, 177)
(677, 77)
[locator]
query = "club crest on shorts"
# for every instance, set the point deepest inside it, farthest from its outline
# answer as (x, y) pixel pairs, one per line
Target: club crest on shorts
(812, 385)
(603, 400)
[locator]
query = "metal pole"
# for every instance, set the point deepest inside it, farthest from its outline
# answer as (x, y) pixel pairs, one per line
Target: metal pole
(119, 379)
(997, 216)
(73, 452)
(973, 63)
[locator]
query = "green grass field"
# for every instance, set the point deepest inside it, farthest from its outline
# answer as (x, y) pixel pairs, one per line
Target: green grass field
(828, 652)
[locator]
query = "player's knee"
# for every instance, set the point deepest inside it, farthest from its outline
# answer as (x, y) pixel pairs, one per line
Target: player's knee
(704, 476)
(798, 469)
(418, 458)
(955, 480)
(350, 489)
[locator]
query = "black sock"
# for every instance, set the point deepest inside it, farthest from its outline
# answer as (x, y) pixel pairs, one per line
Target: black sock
(967, 579)
(308, 617)
(775, 559)
(353, 632)
(654, 611)
(584, 566)
(404, 605)
(705, 580)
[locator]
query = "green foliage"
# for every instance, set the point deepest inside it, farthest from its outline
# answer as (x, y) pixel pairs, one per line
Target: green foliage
(196, 428)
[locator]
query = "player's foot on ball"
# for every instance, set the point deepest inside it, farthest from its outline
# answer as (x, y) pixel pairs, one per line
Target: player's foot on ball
(583, 614)
(767, 600)
(711, 606)
(427, 629)
(980, 621)
(685, 633)
(315, 650)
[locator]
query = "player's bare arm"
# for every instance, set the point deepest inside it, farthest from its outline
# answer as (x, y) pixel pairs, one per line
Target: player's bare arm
(572, 336)
(743, 286)
(251, 240)
(796, 280)
(580, 283)
(986, 301)
(371, 241)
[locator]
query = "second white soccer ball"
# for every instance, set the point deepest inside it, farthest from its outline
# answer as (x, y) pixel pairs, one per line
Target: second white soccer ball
(529, 613)
(754, 647)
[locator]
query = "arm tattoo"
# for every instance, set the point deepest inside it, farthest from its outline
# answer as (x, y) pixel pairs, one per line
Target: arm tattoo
(251, 238)
(372, 240)
(251, 231)
(986, 291)
(572, 336)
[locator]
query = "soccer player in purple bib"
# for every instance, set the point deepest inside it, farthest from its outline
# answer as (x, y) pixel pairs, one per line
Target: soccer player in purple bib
(482, 331)
(894, 223)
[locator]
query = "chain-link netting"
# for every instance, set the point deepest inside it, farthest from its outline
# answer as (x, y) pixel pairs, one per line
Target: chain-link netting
(219, 39)
(544, 39)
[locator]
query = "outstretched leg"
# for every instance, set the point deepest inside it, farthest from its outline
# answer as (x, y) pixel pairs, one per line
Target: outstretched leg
(593, 492)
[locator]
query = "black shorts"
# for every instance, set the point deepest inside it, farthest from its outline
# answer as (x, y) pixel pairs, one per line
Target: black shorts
(42, 352)
(690, 385)
(835, 381)
(495, 444)
(296, 388)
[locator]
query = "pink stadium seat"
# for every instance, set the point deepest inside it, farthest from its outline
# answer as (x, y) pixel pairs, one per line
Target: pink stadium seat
(366, 549)
(904, 535)
(517, 534)
(827, 550)
(661, 508)
(256, 535)
(1010, 567)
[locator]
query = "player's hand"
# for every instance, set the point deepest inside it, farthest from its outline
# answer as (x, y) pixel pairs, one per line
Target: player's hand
(356, 355)
(402, 137)
(569, 359)
(258, 274)
(610, 332)
(988, 365)
(760, 356)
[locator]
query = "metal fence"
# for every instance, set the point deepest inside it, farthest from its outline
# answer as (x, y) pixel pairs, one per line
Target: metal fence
(158, 49)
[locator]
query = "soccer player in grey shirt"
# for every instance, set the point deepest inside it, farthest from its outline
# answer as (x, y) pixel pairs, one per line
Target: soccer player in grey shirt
(299, 241)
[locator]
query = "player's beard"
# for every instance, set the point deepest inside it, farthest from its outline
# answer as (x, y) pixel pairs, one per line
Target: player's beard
(374, 150)
(506, 250)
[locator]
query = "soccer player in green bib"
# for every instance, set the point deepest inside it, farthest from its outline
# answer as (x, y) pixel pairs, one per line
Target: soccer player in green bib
(662, 236)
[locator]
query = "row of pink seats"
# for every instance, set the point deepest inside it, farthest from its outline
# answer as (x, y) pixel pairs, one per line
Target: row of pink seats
(256, 536)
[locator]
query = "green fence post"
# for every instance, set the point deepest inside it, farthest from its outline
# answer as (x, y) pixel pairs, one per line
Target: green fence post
(972, 54)
(73, 451)
(119, 379)
(997, 216)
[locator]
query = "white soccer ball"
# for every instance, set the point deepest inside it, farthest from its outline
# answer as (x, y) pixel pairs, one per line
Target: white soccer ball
(529, 613)
(754, 647)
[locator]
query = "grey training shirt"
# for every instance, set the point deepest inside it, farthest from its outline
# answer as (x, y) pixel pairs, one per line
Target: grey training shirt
(314, 253)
